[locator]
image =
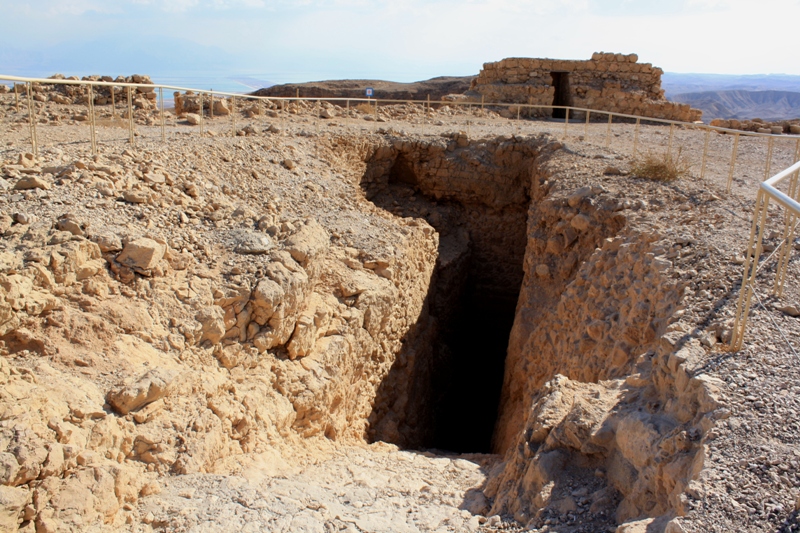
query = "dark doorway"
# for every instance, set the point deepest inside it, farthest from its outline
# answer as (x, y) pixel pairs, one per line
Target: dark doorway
(563, 95)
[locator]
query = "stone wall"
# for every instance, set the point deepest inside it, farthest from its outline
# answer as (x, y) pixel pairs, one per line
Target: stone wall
(143, 97)
(609, 82)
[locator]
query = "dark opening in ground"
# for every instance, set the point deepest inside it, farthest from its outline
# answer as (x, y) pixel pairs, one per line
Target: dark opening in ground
(562, 95)
(468, 380)
(443, 389)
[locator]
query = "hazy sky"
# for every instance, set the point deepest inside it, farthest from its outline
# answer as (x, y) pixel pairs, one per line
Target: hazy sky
(302, 40)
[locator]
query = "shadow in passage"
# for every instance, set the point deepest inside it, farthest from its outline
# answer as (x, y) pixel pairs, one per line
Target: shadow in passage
(443, 388)
(470, 376)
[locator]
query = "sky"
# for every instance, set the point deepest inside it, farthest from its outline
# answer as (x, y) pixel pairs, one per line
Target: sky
(284, 41)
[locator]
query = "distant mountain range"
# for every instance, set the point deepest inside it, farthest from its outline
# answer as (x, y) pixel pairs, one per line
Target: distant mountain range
(674, 84)
(767, 105)
(766, 96)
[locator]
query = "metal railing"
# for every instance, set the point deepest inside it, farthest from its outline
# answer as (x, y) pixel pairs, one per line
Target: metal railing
(522, 110)
(767, 189)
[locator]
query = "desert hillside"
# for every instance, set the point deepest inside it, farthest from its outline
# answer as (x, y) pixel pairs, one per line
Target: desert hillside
(741, 104)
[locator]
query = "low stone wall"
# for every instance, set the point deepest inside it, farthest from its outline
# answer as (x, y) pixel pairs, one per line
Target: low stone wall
(610, 82)
(143, 97)
(757, 125)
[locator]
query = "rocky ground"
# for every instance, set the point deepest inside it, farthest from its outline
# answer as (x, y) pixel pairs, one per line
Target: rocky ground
(153, 380)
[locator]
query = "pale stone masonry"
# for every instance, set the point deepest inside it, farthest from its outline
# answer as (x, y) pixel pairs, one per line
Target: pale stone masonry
(609, 82)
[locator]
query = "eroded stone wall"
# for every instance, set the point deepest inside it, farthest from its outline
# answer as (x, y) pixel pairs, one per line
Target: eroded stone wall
(596, 385)
(609, 82)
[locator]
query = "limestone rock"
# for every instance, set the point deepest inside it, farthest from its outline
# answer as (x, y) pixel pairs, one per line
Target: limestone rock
(70, 224)
(221, 108)
(32, 182)
(12, 502)
(148, 388)
(108, 242)
(789, 309)
(542, 270)
(141, 254)
(5, 222)
(9, 468)
(26, 160)
(309, 240)
(251, 242)
(581, 222)
(313, 319)
(193, 119)
(576, 197)
(136, 196)
(212, 321)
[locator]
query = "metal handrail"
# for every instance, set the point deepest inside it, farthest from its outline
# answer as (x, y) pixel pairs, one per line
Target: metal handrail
(767, 190)
(49, 81)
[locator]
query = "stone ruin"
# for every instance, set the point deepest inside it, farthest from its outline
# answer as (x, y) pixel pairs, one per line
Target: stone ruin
(608, 82)
(143, 97)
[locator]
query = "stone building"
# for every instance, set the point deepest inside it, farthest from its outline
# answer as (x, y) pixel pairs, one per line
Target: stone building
(609, 82)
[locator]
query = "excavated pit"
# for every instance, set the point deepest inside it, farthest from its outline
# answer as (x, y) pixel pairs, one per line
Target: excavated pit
(461, 344)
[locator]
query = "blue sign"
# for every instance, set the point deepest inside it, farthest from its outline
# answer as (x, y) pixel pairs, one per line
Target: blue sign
(369, 92)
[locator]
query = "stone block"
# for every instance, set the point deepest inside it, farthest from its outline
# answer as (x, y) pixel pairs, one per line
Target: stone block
(142, 254)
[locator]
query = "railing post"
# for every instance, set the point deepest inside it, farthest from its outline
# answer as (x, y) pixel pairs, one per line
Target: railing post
(316, 122)
(705, 155)
(750, 270)
(790, 221)
(566, 124)
(733, 162)
(283, 116)
(608, 131)
(636, 137)
(16, 96)
(347, 115)
(201, 114)
(586, 126)
(671, 137)
(91, 119)
(113, 104)
(482, 98)
(211, 106)
(233, 113)
(163, 128)
(786, 244)
(768, 166)
(32, 119)
(318, 112)
(130, 115)
(427, 112)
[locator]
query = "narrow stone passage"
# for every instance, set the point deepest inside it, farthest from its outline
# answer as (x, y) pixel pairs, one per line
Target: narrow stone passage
(445, 390)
